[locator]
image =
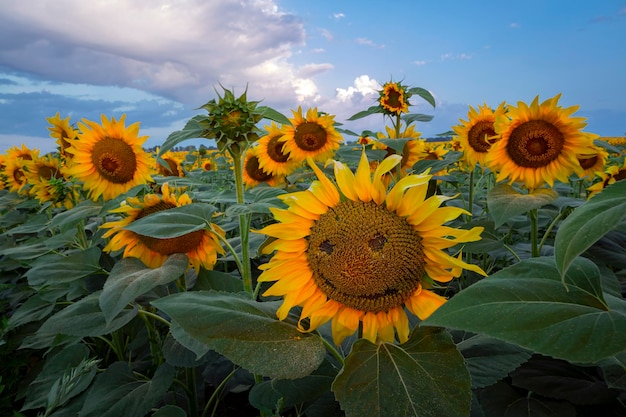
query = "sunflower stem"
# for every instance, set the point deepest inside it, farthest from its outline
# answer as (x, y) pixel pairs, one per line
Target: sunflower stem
(534, 247)
(244, 270)
(470, 197)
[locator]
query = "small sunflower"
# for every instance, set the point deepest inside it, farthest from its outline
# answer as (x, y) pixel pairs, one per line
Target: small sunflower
(174, 162)
(254, 175)
(109, 158)
(393, 98)
(356, 253)
(413, 150)
(593, 163)
(539, 143)
(15, 176)
(313, 136)
(609, 176)
(477, 134)
(63, 132)
(201, 246)
(47, 182)
(270, 153)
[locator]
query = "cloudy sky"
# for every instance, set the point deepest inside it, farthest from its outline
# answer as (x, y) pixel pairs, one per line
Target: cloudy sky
(157, 61)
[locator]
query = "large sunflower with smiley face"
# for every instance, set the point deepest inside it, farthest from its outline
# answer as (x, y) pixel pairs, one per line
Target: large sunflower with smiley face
(356, 252)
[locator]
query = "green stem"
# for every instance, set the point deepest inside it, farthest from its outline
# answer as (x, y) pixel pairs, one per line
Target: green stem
(153, 339)
(193, 397)
(217, 391)
(545, 235)
(333, 350)
(470, 198)
(154, 316)
(245, 270)
(534, 247)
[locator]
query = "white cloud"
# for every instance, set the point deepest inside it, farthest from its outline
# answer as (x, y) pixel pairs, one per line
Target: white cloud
(368, 42)
(363, 86)
(462, 56)
(514, 25)
(310, 70)
(419, 63)
(338, 16)
(165, 47)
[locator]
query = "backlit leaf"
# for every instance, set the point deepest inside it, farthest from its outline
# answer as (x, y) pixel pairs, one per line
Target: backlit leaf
(505, 202)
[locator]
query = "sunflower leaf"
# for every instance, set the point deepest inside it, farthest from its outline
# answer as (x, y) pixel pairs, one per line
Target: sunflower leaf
(504, 201)
(245, 331)
(588, 223)
(365, 113)
(536, 311)
(194, 129)
(275, 115)
(425, 376)
(423, 93)
(130, 278)
(416, 117)
(174, 222)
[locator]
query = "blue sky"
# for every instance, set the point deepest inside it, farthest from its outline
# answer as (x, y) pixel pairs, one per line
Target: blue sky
(157, 61)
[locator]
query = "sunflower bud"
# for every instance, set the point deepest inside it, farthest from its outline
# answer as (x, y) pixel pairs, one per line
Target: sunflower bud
(232, 121)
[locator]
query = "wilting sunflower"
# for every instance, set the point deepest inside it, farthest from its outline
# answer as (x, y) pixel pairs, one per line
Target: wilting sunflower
(270, 153)
(109, 158)
(201, 246)
(254, 175)
(477, 134)
(393, 98)
(313, 136)
(356, 252)
(539, 143)
(63, 132)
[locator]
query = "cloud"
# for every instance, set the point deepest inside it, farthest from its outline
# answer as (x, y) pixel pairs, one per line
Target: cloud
(310, 70)
(514, 25)
(461, 56)
(177, 51)
(338, 16)
(368, 42)
(419, 63)
(363, 86)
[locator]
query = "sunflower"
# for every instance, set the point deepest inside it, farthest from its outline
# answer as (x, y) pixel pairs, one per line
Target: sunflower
(269, 151)
(413, 149)
(313, 136)
(109, 158)
(48, 184)
(15, 176)
(477, 134)
(393, 98)
(609, 176)
(63, 132)
(171, 165)
(593, 163)
(254, 175)
(201, 246)
(539, 143)
(356, 253)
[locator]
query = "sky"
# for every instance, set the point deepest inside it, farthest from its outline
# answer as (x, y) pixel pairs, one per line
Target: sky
(158, 61)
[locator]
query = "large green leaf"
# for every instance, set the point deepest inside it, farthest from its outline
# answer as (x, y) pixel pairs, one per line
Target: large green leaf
(130, 278)
(56, 268)
(84, 318)
(505, 202)
(117, 392)
(423, 93)
(193, 129)
(502, 400)
(588, 223)
(33, 309)
(425, 376)
(528, 305)
(245, 331)
(70, 218)
(174, 222)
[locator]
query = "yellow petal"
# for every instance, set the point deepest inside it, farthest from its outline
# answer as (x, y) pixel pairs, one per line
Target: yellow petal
(344, 324)
(395, 195)
(363, 179)
(323, 189)
(424, 303)
(345, 181)
(287, 231)
(370, 327)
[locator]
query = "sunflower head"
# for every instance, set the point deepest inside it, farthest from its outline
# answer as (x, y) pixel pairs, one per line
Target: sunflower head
(394, 98)
(232, 121)
(539, 143)
(63, 132)
(254, 174)
(354, 251)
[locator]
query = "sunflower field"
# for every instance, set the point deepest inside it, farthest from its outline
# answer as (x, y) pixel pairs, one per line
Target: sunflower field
(298, 268)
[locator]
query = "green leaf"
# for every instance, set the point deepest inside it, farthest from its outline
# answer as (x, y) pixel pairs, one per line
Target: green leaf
(614, 370)
(57, 368)
(588, 223)
(69, 219)
(271, 114)
(423, 93)
(396, 144)
(245, 331)
(288, 392)
(193, 130)
(84, 318)
(528, 305)
(505, 202)
(56, 268)
(416, 117)
(209, 279)
(130, 278)
(35, 308)
(364, 113)
(489, 359)
(425, 376)
(118, 393)
(174, 222)
(35, 223)
(503, 400)
(170, 411)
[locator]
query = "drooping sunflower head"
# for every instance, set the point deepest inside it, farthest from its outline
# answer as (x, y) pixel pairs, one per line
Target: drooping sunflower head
(539, 143)
(394, 98)
(355, 251)
(232, 121)
(610, 175)
(201, 246)
(254, 175)
(63, 132)
(311, 136)
(477, 134)
(270, 152)
(109, 158)
(593, 163)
